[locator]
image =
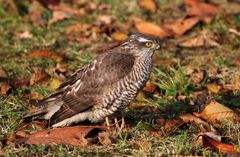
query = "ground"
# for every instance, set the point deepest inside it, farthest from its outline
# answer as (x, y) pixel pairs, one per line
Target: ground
(38, 52)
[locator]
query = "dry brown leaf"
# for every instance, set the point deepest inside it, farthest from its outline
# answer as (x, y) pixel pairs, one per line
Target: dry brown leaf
(205, 127)
(68, 9)
(35, 13)
(59, 15)
(49, 2)
(149, 5)
(39, 75)
(236, 61)
(182, 25)
(75, 135)
(156, 133)
(143, 145)
(204, 38)
(153, 29)
(172, 124)
(104, 19)
(205, 12)
(47, 54)
(91, 6)
(181, 97)
(150, 87)
(77, 28)
(197, 76)
(104, 138)
(215, 111)
(118, 36)
(18, 82)
(5, 88)
(33, 96)
(213, 88)
(2, 72)
(211, 143)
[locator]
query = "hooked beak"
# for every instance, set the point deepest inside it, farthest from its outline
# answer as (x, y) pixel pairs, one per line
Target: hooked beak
(156, 46)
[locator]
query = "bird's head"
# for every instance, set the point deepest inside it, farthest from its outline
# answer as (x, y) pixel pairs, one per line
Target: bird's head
(141, 44)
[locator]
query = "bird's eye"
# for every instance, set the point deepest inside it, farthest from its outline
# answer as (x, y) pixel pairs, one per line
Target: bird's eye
(148, 44)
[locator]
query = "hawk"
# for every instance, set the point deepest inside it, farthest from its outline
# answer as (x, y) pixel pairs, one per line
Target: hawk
(106, 85)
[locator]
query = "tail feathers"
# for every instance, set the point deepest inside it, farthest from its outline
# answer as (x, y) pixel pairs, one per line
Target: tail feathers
(37, 112)
(45, 111)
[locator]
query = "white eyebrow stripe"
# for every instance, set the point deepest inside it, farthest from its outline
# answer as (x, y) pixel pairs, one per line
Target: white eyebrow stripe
(141, 39)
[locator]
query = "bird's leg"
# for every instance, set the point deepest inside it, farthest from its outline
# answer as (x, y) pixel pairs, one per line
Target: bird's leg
(116, 123)
(107, 123)
(122, 123)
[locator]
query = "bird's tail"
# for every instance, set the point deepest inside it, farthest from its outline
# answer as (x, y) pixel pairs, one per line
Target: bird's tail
(45, 108)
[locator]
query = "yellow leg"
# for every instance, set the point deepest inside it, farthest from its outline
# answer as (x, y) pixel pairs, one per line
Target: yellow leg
(122, 123)
(107, 123)
(116, 123)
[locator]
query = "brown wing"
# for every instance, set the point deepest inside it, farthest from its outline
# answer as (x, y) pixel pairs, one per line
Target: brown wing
(91, 82)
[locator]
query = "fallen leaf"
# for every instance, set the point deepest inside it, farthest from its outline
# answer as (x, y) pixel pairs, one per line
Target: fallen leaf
(231, 7)
(202, 125)
(104, 138)
(211, 143)
(150, 87)
(215, 111)
(25, 35)
(49, 2)
(149, 5)
(234, 31)
(39, 75)
(33, 96)
(205, 12)
(47, 54)
(34, 125)
(197, 76)
(19, 82)
(75, 135)
(156, 133)
(214, 136)
(5, 88)
(104, 19)
(68, 9)
(153, 29)
(77, 28)
(172, 125)
(91, 6)
(54, 84)
(143, 145)
(213, 88)
(181, 97)
(182, 25)
(2, 72)
(59, 15)
(204, 38)
(35, 13)
(118, 36)
(236, 61)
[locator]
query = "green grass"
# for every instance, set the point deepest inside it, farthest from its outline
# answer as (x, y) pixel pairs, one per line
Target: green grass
(171, 79)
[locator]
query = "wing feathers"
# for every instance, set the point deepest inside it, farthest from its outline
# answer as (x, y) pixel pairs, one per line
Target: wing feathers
(86, 87)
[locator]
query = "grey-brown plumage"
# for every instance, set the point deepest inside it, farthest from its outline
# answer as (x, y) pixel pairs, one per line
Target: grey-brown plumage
(102, 87)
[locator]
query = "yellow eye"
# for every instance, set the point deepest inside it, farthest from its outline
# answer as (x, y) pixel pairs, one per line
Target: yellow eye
(148, 44)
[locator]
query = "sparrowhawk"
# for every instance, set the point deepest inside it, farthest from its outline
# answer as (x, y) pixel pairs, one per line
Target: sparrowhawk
(102, 87)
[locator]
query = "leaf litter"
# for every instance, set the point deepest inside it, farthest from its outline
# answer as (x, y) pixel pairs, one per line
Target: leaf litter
(107, 27)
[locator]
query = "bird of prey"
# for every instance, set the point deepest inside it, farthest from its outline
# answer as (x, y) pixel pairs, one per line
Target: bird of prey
(102, 87)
